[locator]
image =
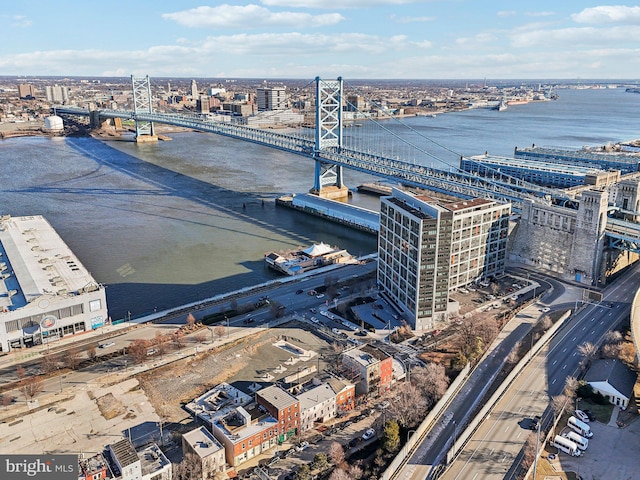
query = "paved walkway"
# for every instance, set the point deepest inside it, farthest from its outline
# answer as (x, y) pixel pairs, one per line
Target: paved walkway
(614, 417)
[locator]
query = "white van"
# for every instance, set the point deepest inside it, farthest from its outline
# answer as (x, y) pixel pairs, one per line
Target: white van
(579, 427)
(582, 442)
(580, 415)
(566, 445)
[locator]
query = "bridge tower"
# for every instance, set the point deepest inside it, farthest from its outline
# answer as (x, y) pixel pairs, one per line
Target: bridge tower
(328, 181)
(141, 105)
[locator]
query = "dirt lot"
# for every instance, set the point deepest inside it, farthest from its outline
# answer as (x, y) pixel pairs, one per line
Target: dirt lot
(245, 362)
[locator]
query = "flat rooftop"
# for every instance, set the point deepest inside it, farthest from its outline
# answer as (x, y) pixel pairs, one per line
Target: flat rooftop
(37, 263)
(551, 167)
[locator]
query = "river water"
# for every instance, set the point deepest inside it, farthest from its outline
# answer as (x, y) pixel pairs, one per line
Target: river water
(167, 224)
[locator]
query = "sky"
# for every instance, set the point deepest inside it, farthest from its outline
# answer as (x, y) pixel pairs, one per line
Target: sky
(376, 39)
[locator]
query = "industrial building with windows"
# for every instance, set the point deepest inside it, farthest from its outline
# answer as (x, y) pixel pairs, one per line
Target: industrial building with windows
(427, 248)
(45, 292)
(626, 162)
(539, 172)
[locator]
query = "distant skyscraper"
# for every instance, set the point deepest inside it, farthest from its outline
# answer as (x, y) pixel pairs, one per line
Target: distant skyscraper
(194, 90)
(428, 248)
(57, 94)
(26, 91)
(271, 98)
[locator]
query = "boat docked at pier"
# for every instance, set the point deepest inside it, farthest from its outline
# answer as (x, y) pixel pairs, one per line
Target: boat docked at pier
(296, 262)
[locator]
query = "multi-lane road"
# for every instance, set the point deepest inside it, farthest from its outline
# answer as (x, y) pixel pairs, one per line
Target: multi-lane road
(493, 449)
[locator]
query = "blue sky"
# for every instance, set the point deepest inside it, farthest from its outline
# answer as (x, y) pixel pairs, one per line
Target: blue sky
(421, 39)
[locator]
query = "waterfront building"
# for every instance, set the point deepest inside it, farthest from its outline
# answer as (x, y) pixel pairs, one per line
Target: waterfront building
(563, 240)
(206, 449)
(272, 98)
(605, 160)
(45, 292)
(539, 172)
(428, 248)
(303, 261)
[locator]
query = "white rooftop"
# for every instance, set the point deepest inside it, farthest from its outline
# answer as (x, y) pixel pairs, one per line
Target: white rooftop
(202, 442)
(38, 262)
(316, 396)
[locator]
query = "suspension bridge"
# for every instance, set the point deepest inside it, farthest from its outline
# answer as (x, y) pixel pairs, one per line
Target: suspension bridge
(399, 154)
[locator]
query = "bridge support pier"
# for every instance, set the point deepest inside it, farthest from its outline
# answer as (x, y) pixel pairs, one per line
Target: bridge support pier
(145, 132)
(328, 182)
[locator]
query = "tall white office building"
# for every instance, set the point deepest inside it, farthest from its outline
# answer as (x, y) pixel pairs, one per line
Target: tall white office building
(273, 98)
(428, 248)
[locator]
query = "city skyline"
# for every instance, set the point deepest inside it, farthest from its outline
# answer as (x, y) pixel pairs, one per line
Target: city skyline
(382, 39)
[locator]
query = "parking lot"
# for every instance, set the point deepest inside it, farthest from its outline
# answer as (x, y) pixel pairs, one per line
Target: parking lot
(613, 454)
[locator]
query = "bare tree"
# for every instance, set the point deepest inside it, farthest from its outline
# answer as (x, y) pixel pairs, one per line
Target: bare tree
(529, 450)
(408, 406)
(431, 380)
(6, 400)
(91, 351)
(588, 351)
(219, 331)
(48, 364)
(339, 474)
(190, 321)
(31, 385)
(355, 471)
(138, 350)
(200, 337)
(571, 385)
(545, 323)
(558, 403)
(336, 453)
(71, 358)
(514, 354)
(613, 337)
(189, 468)
(611, 350)
(178, 340)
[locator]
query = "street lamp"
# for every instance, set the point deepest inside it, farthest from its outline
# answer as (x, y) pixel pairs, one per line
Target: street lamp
(577, 400)
(409, 433)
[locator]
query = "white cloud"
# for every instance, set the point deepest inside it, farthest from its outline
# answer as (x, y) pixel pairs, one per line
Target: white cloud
(412, 19)
(20, 21)
(506, 13)
(608, 14)
(249, 16)
(575, 37)
(336, 5)
(480, 38)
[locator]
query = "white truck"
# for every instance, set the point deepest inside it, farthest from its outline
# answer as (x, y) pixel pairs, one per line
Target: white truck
(579, 427)
(579, 440)
(566, 445)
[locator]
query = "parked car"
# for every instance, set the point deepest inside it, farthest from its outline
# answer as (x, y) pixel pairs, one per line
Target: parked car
(315, 320)
(368, 434)
(313, 310)
(273, 461)
(289, 452)
(106, 344)
(320, 295)
(298, 292)
(535, 421)
(580, 415)
(302, 446)
(590, 414)
(383, 405)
